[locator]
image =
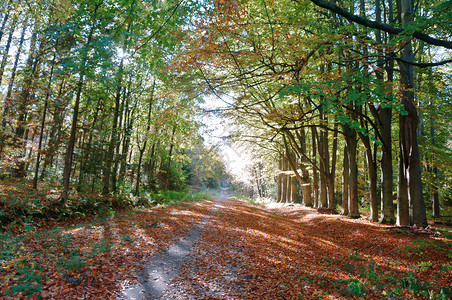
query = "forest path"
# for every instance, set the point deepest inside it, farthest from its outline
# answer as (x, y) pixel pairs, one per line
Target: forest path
(162, 268)
(243, 251)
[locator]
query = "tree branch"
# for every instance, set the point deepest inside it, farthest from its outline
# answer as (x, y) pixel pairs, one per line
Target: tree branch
(382, 26)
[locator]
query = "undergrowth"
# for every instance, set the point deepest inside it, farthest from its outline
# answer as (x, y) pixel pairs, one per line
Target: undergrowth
(23, 209)
(26, 274)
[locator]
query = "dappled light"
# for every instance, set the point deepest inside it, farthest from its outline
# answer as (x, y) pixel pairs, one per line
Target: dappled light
(225, 149)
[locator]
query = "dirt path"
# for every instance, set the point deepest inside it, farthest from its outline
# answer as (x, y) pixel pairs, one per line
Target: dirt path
(241, 251)
(159, 272)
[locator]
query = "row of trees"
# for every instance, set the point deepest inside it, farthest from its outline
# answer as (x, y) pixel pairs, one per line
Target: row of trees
(85, 98)
(318, 83)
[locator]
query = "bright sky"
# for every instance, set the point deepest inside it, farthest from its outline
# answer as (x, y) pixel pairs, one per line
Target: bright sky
(235, 158)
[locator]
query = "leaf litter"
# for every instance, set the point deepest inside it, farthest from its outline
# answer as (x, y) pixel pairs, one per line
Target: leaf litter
(243, 251)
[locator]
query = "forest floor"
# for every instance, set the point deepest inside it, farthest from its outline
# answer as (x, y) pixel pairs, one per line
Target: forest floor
(226, 249)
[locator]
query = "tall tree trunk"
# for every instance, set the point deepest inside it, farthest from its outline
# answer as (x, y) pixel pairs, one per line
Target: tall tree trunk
(284, 179)
(73, 132)
(332, 172)
(403, 212)
(13, 76)
(324, 158)
(5, 19)
(345, 183)
(385, 117)
(372, 171)
(434, 197)
(151, 176)
(409, 147)
(114, 139)
(114, 136)
(23, 98)
(279, 178)
(127, 136)
(140, 159)
(170, 154)
(315, 181)
(305, 179)
(29, 73)
(387, 206)
(54, 139)
(43, 122)
(87, 152)
(353, 201)
(7, 48)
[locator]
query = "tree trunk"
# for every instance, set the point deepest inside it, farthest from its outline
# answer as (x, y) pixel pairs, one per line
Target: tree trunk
(114, 135)
(409, 147)
(13, 76)
(315, 181)
(23, 98)
(292, 178)
(332, 172)
(168, 169)
(140, 159)
(387, 206)
(434, 198)
(345, 183)
(43, 122)
(284, 180)
(305, 182)
(151, 175)
(371, 160)
(385, 117)
(73, 132)
(7, 47)
(353, 201)
(53, 142)
(324, 157)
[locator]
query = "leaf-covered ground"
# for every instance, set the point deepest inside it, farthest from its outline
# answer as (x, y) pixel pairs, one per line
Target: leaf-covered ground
(243, 252)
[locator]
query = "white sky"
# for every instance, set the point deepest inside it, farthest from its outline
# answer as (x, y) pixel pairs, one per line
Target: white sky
(217, 128)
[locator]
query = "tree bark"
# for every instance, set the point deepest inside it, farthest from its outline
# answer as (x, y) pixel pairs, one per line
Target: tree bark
(13, 76)
(55, 135)
(5, 19)
(168, 169)
(345, 182)
(7, 48)
(434, 197)
(315, 181)
(353, 201)
(372, 171)
(387, 206)
(305, 182)
(332, 172)
(409, 146)
(284, 180)
(43, 122)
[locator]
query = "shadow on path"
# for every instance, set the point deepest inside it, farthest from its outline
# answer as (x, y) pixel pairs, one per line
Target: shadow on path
(163, 267)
